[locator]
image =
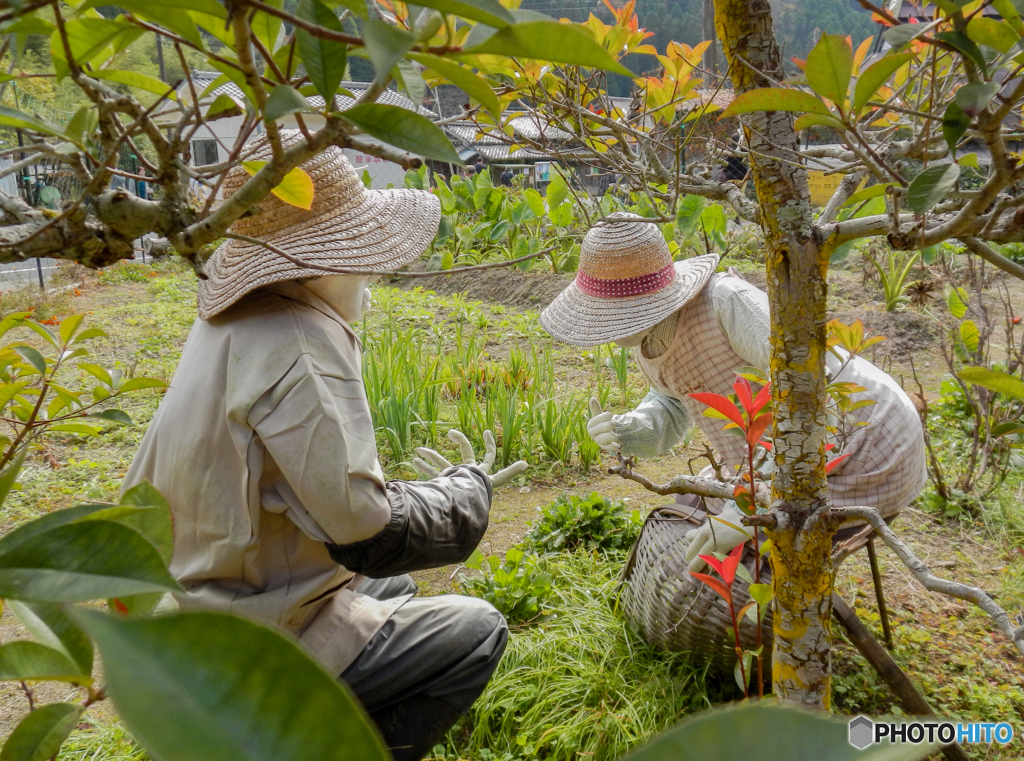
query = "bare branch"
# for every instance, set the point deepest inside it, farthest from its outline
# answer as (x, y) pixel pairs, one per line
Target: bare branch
(930, 581)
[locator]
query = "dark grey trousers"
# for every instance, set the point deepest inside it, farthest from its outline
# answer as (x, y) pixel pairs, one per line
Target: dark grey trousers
(443, 647)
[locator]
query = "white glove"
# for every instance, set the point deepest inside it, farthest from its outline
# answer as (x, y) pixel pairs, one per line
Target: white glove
(720, 533)
(601, 428)
(367, 300)
(431, 463)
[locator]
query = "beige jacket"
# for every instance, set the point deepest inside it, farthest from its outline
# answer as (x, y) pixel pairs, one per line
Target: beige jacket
(265, 450)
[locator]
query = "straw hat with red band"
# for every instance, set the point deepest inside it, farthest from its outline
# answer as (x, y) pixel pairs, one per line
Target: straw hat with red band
(627, 283)
(347, 227)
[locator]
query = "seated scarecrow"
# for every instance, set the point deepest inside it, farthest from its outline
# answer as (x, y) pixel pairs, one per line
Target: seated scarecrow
(691, 329)
(265, 450)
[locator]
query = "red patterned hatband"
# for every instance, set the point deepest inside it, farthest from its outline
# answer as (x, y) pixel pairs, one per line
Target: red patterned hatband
(630, 286)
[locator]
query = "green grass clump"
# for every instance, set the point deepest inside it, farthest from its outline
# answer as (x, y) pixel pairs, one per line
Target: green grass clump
(579, 684)
(593, 522)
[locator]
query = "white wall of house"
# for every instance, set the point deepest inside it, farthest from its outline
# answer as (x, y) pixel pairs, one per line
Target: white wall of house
(382, 172)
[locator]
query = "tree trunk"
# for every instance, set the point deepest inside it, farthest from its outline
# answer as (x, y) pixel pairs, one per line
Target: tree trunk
(796, 270)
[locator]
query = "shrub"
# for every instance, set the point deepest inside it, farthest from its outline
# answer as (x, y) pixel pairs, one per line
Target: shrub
(593, 523)
(518, 586)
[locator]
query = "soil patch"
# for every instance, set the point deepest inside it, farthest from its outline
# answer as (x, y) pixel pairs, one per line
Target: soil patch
(524, 290)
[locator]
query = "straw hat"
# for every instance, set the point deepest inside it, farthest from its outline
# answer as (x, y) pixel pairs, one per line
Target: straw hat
(626, 284)
(348, 226)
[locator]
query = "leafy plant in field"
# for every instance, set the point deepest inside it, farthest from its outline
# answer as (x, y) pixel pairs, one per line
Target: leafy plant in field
(37, 394)
(893, 278)
(985, 417)
(517, 586)
(592, 522)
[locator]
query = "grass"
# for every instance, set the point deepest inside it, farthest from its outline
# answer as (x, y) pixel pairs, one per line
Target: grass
(580, 684)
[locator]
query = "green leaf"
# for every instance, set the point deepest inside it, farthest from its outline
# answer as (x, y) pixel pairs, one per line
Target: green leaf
(73, 562)
(954, 124)
(324, 59)
(535, 201)
(956, 301)
(557, 191)
(475, 86)
(409, 78)
(483, 189)
(974, 97)
(486, 11)
(135, 79)
(1004, 429)
(22, 659)
(931, 186)
(9, 475)
(829, 68)
(210, 687)
(266, 27)
(89, 335)
(968, 159)
(114, 416)
(40, 734)
(385, 44)
(82, 125)
(867, 193)
(550, 41)
(688, 213)
(69, 327)
(804, 121)
(50, 625)
(776, 99)
(12, 118)
(900, 35)
(232, 75)
(283, 100)
(224, 106)
(965, 46)
(994, 380)
(403, 129)
(761, 593)
(969, 334)
(99, 373)
(155, 522)
(992, 33)
(33, 357)
(168, 14)
(740, 732)
(876, 75)
(80, 428)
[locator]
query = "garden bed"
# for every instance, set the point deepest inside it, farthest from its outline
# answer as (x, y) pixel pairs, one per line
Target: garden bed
(576, 682)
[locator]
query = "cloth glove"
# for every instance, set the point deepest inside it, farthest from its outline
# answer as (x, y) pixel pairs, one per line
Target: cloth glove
(601, 428)
(433, 524)
(430, 463)
(720, 533)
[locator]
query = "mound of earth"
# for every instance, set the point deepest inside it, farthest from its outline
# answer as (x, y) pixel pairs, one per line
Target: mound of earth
(523, 290)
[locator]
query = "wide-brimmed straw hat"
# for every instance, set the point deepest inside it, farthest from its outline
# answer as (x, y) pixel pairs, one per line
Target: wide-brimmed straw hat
(347, 226)
(626, 284)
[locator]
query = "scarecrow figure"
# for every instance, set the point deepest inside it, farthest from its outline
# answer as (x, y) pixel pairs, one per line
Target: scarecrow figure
(691, 330)
(265, 450)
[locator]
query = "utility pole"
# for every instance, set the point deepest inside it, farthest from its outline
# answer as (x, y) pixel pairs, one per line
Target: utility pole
(711, 54)
(160, 58)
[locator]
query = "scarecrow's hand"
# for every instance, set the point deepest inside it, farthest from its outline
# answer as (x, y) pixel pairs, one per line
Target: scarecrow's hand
(430, 463)
(601, 428)
(720, 533)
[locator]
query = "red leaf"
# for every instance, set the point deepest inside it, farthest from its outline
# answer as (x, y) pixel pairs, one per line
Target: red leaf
(766, 444)
(763, 397)
(829, 467)
(731, 562)
(745, 394)
(829, 447)
(714, 563)
(723, 405)
(800, 63)
(715, 584)
(758, 427)
(120, 607)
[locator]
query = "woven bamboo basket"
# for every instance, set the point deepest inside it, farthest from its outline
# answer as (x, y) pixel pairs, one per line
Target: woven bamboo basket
(671, 610)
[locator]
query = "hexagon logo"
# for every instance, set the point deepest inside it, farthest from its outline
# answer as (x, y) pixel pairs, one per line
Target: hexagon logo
(862, 732)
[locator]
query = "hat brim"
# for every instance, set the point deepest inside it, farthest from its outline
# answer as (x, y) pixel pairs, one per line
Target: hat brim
(579, 319)
(387, 230)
